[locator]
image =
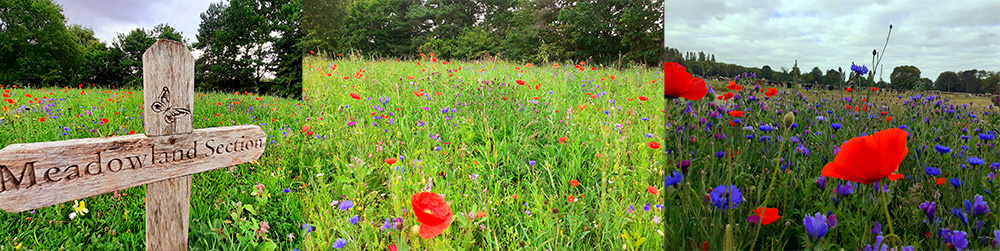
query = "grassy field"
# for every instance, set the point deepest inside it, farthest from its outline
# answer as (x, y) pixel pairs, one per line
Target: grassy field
(951, 162)
(226, 212)
(570, 160)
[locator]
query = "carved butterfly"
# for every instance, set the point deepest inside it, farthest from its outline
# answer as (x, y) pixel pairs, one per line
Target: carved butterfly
(170, 113)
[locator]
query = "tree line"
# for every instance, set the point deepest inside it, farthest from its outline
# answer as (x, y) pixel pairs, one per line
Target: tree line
(904, 77)
(245, 45)
(538, 31)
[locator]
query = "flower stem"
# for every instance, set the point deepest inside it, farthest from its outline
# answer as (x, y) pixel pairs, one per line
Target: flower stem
(885, 208)
(774, 177)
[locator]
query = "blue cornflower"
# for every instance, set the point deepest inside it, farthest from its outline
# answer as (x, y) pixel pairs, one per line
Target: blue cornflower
(929, 208)
(726, 197)
(387, 224)
(531, 162)
(821, 182)
(877, 229)
(720, 154)
(353, 220)
(955, 237)
(986, 136)
(932, 171)
(309, 228)
(836, 126)
(765, 128)
(860, 70)
(960, 214)
(346, 205)
(975, 161)
(815, 226)
(339, 243)
(287, 191)
(674, 179)
(942, 149)
(978, 207)
(956, 182)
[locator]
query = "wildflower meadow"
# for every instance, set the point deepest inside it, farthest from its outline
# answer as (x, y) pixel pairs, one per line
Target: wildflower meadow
(758, 166)
(429, 154)
(248, 206)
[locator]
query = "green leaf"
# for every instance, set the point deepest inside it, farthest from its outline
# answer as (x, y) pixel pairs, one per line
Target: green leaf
(266, 246)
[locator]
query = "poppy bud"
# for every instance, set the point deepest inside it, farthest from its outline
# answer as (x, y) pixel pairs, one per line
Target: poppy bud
(890, 26)
(788, 119)
(706, 199)
(399, 226)
(415, 230)
(522, 243)
(874, 52)
(555, 210)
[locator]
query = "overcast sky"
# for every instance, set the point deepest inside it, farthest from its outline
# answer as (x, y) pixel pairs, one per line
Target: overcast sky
(110, 17)
(934, 36)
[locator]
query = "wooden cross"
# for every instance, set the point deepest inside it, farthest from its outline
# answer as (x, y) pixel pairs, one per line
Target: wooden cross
(43, 174)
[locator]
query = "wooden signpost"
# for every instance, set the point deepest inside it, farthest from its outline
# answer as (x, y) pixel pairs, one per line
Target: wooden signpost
(43, 174)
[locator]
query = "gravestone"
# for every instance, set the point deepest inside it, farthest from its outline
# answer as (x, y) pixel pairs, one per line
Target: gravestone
(36, 175)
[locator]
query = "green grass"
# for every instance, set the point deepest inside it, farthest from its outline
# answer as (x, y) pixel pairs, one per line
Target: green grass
(117, 223)
(492, 129)
(807, 149)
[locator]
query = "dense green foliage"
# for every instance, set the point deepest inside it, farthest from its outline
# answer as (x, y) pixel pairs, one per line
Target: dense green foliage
(251, 44)
(602, 32)
(246, 45)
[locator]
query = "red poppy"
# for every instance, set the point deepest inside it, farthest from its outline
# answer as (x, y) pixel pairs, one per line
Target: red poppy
(768, 216)
(355, 96)
(390, 161)
(418, 93)
(42, 119)
(520, 82)
(104, 120)
(538, 85)
(728, 96)
(570, 199)
(432, 212)
(870, 158)
(733, 86)
(874, 89)
(850, 89)
(574, 183)
(736, 113)
(895, 176)
(888, 119)
(562, 140)
(654, 145)
(678, 83)
(641, 98)
(305, 128)
(771, 92)
(940, 181)
(653, 190)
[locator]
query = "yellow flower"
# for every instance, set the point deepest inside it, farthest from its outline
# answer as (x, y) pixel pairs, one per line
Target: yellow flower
(80, 207)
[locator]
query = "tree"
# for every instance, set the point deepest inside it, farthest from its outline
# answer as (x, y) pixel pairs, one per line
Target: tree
(246, 42)
(99, 64)
(378, 27)
(795, 71)
(946, 81)
(969, 80)
(35, 46)
(833, 77)
(817, 75)
(904, 77)
(766, 72)
(323, 25)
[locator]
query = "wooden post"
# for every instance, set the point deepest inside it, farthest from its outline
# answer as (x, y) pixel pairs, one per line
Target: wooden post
(168, 97)
(43, 174)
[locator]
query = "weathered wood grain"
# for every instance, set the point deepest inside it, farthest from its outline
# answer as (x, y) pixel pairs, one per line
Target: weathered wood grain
(168, 88)
(61, 171)
(168, 91)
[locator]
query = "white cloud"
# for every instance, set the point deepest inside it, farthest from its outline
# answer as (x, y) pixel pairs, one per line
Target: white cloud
(935, 36)
(110, 17)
